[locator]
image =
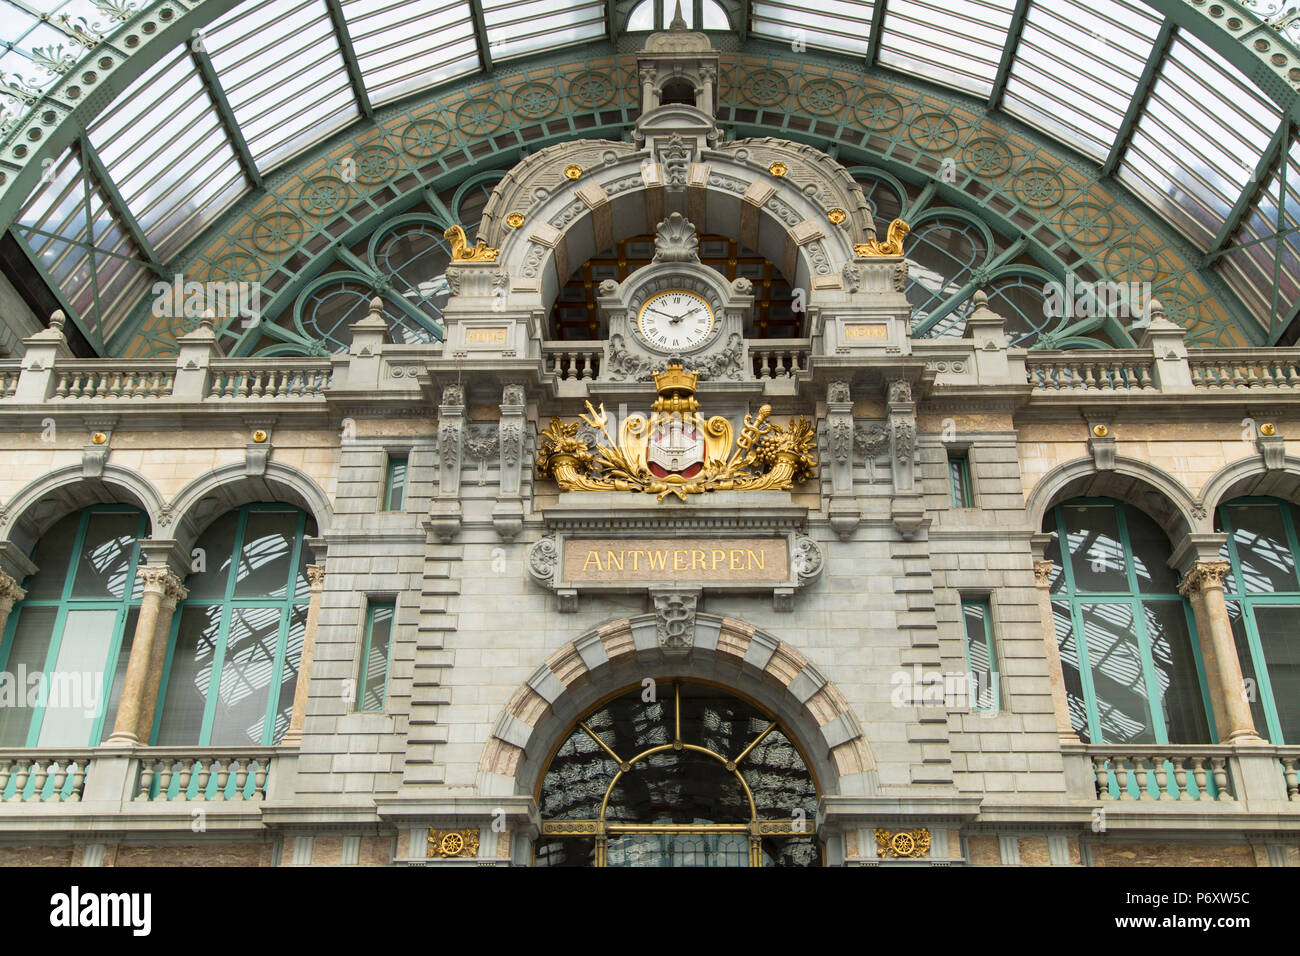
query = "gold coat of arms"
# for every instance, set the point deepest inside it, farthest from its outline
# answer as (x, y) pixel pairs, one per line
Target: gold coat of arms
(676, 451)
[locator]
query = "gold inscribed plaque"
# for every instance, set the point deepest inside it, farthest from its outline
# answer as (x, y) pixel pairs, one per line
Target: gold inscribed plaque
(485, 337)
(685, 561)
(861, 331)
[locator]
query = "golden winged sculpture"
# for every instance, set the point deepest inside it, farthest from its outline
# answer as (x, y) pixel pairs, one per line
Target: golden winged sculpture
(461, 251)
(892, 246)
(764, 457)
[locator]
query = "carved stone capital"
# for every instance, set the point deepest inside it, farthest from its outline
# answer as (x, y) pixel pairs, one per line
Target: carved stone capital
(10, 592)
(161, 580)
(1043, 573)
(316, 576)
(1204, 576)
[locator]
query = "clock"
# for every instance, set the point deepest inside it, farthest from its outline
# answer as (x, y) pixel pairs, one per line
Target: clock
(675, 320)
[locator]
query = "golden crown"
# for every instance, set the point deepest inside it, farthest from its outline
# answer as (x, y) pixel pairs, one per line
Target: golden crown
(674, 379)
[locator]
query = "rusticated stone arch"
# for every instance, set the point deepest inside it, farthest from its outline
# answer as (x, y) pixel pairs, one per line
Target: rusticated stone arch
(223, 489)
(1141, 484)
(34, 509)
(1250, 477)
(727, 651)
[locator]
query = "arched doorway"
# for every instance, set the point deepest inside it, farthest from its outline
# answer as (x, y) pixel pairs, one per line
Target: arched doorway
(677, 773)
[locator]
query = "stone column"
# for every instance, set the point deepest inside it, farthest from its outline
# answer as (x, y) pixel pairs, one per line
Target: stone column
(10, 594)
(162, 589)
(1206, 583)
(293, 736)
(1043, 581)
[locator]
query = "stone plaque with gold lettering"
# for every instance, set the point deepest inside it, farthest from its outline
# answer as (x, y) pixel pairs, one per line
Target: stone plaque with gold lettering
(686, 561)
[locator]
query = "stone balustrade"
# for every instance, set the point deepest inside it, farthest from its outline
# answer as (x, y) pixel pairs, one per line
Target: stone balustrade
(1091, 370)
(181, 776)
(111, 779)
(37, 776)
(779, 358)
(573, 361)
(113, 380)
(1161, 773)
(1245, 368)
(268, 378)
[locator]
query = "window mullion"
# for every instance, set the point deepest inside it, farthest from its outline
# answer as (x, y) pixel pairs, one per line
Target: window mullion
(223, 631)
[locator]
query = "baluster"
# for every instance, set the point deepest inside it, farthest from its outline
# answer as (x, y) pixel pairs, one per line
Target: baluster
(40, 773)
(1121, 778)
(6, 764)
(1252, 376)
(588, 369)
(1198, 774)
(146, 781)
(1144, 376)
(183, 787)
(205, 771)
(241, 776)
(117, 383)
(20, 778)
(1180, 779)
(1288, 771)
(78, 781)
(1088, 380)
(1140, 772)
(1220, 765)
(60, 778)
(61, 390)
(1162, 778)
(223, 776)
(259, 780)
(1103, 778)
(242, 390)
(166, 773)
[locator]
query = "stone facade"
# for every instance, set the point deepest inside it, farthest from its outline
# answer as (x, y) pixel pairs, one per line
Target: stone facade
(494, 657)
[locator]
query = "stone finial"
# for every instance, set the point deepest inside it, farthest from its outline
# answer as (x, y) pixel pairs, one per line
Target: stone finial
(57, 320)
(376, 308)
(1155, 309)
(678, 21)
(209, 320)
(981, 299)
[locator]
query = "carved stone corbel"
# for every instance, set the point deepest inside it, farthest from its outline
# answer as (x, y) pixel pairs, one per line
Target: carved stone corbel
(1101, 445)
(1272, 448)
(907, 507)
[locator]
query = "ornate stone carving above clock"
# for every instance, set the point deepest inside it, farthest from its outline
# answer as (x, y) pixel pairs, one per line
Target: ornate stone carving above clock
(675, 311)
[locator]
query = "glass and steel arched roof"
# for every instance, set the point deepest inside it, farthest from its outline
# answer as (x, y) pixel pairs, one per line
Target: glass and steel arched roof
(129, 127)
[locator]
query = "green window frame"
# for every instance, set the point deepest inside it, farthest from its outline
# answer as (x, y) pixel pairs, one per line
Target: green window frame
(981, 655)
(959, 484)
(221, 684)
(376, 655)
(116, 643)
(1244, 607)
(395, 472)
(1080, 612)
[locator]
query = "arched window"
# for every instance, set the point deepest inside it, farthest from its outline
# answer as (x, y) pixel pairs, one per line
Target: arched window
(237, 639)
(1129, 656)
(1263, 599)
(677, 780)
(941, 256)
(66, 645)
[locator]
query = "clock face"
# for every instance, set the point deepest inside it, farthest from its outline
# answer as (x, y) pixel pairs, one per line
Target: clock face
(675, 320)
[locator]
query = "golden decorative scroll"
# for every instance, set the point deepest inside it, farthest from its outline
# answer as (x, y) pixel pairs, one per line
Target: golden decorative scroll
(461, 251)
(892, 246)
(765, 457)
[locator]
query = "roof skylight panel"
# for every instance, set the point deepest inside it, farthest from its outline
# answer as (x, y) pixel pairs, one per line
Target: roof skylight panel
(403, 48)
(283, 74)
(843, 26)
(1077, 67)
(1198, 141)
(518, 27)
(955, 42)
(1252, 260)
(166, 151)
(54, 217)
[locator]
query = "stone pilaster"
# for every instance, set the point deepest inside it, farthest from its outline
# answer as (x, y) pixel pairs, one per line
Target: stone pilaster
(845, 515)
(1043, 581)
(508, 514)
(316, 578)
(907, 507)
(1205, 584)
(162, 589)
(445, 512)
